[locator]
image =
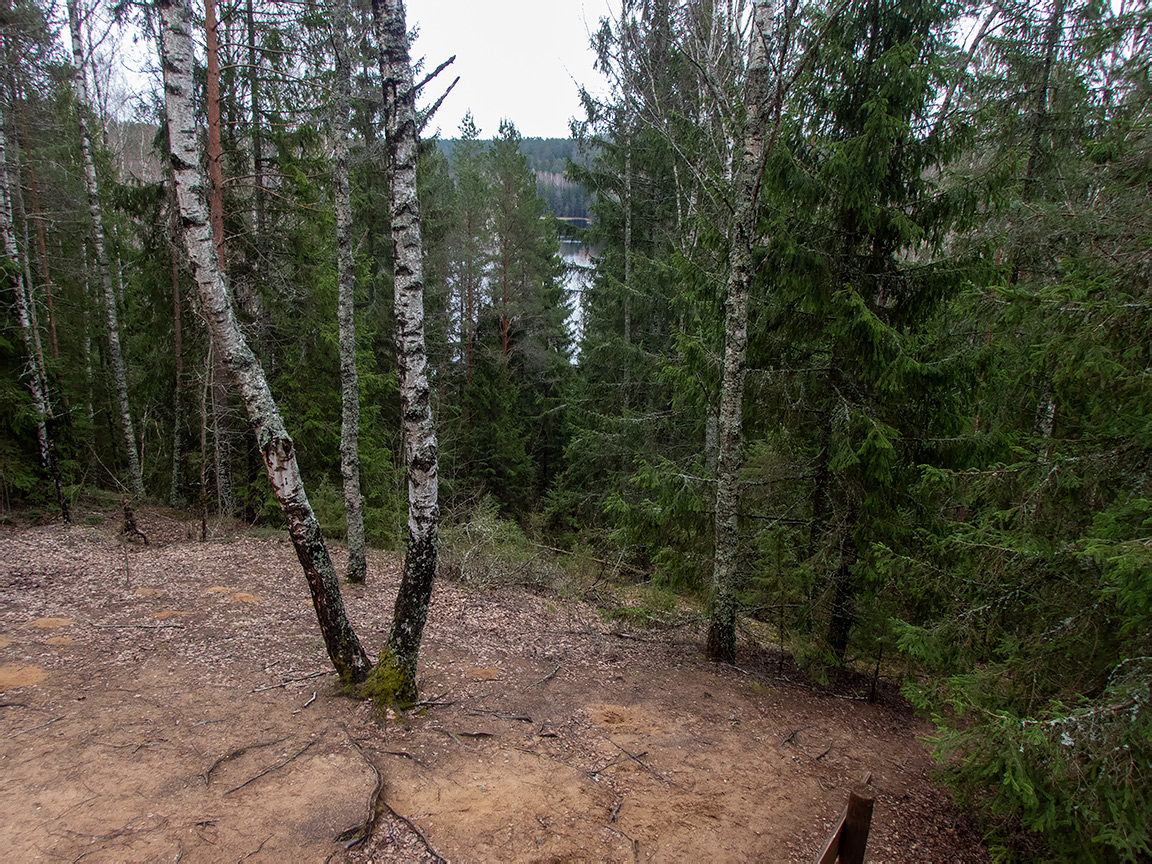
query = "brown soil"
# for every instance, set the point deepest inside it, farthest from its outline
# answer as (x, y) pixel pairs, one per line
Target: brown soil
(173, 702)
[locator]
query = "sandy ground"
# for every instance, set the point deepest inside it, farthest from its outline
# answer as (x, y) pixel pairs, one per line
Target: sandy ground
(172, 702)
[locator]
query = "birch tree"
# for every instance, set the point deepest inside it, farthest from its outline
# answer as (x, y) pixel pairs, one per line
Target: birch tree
(345, 310)
(747, 172)
(245, 370)
(37, 381)
(115, 354)
(419, 432)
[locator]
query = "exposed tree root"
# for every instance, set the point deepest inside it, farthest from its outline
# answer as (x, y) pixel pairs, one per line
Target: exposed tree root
(377, 805)
(275, 767)
(234, 754)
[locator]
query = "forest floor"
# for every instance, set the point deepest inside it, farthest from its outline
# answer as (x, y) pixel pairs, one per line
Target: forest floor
(173, 702)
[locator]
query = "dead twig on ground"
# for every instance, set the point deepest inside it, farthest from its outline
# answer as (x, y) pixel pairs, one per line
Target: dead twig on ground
(136, 626)
(621, 635)
(615, 762)
(540, 755)
(825, 752)
(791, 736)
(641, 763)
(635, 846)
(306, 704)
(288, 681)
(547, 677)
(34, 728)
(254, 851)
(484, 712)
(406, 756)
(456, 738)
(234, 754)
(433, 702)
(275, 767)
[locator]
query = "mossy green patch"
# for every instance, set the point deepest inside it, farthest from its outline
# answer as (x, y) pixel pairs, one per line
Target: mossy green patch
(388, 686)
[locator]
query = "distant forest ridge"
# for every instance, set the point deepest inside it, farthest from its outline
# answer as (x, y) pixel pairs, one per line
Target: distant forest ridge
(548, 159)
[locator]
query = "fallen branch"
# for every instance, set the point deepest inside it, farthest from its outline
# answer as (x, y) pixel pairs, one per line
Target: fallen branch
(306, 704)
(288, 681)
(483, 712)
(642, 764)
(547, 677)
(275, 767)
(451, 735)
(791, 736)
(613, 763)
(234, 754)
(34, 728)
(136, 626)
(257, 849)
(620, 635)
(433, 702)
(405, 755)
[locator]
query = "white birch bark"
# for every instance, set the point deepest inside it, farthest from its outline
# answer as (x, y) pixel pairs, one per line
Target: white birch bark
(176, 57)
(37, 381)
(747, 173)
(419, 432)
(115, 355)
(345, 308)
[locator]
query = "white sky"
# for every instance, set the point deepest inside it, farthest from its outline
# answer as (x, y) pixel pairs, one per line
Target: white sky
(523, 60)
(517, 59)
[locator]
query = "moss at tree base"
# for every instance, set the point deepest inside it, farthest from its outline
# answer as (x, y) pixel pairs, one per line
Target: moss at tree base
(388, 686)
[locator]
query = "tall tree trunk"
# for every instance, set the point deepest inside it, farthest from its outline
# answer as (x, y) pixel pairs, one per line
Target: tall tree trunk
(37, 382)
(222, 456)
(257, 142)
(725, 579)
(345, 313)
(115, 355)
(420, 456)
(1039, 117)
(37, 217)
(247, 375)
(178, 345)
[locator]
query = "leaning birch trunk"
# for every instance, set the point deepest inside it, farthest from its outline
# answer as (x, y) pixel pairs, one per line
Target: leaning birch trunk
(115, 356)
(345, 278)
(247, 375)
(418, 431)
(37, 382)
(748, 171)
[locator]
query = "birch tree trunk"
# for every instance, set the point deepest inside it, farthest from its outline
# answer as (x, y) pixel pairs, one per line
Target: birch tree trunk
(221, 437)
(115, 355)
(419, 433)
(725, 578)
(346, 319)
(176, 55)
(37, 382)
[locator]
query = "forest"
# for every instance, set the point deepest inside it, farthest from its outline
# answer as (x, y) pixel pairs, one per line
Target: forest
(863, 354)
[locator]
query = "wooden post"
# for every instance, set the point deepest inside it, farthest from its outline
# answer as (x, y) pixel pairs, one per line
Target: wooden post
(849, 838)
(857, 821)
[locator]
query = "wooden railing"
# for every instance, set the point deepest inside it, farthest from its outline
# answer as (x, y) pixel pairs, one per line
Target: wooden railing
(849, 838)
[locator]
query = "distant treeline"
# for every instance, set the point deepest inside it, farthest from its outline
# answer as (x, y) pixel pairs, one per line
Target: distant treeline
(548, 158)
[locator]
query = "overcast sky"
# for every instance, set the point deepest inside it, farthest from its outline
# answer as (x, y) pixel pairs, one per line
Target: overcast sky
(517, 59)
